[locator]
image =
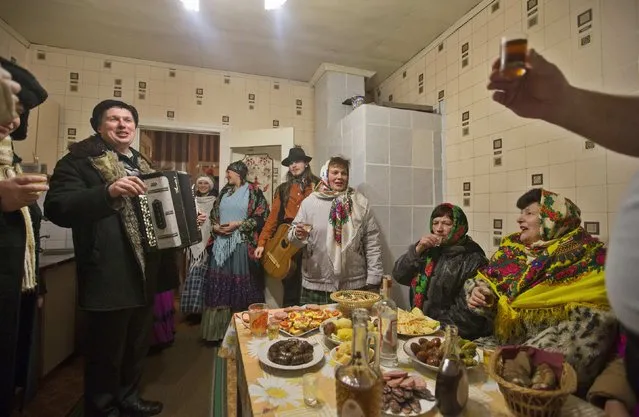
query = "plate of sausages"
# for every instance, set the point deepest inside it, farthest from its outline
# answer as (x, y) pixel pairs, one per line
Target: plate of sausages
(291, 354)
(406, 394)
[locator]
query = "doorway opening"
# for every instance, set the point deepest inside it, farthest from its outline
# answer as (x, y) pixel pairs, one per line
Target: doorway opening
(263, 163)
(192, 152)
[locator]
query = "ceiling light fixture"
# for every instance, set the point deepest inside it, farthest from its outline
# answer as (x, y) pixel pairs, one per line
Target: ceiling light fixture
(191, 5)
(273, 4)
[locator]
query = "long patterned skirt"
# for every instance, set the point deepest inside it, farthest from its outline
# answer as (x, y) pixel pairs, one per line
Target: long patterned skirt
(163, 319)
(229, 288)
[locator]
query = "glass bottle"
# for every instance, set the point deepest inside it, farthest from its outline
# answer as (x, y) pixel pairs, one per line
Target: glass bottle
(386, 312)
(451, 387)
(358, 385)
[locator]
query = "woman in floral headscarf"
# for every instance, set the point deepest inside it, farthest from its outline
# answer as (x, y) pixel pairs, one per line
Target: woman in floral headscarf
(545, 286)
(342, 251)
(437, 266)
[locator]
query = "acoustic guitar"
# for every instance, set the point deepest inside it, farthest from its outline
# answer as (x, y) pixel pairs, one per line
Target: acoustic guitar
(278, 253)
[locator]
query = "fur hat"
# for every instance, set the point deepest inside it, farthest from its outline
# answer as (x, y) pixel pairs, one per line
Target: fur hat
(31, 95)
(103, 106)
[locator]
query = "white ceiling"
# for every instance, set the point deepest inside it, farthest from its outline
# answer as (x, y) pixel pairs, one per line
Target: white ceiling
(239, 35)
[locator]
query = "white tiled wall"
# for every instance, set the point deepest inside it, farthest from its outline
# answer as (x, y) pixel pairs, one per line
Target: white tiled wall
(239, 100)
(396, 162)
(594, 178)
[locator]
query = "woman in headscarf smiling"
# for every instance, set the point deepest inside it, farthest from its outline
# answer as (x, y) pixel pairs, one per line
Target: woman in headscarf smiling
(235, 277)
(437, 266)
(545, 286)
(342, 251)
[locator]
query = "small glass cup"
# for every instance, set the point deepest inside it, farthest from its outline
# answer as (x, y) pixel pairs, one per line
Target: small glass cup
(487, 355)
(310, 389)
(273, 329)
(512, 57)
(488, 295)
(34, 170)
(257, 319)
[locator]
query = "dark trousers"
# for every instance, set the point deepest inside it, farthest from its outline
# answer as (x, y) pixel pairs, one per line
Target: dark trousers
(293, 283)
(116, 345)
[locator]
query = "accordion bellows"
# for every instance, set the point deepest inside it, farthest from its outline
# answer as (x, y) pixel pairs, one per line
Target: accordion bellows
(168, 217)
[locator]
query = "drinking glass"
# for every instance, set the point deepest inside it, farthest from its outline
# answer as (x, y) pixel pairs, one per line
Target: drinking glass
(514, 48)
(273, 329)
(33, 170)
(487, 354)
(488, 295)
(257, 318)
(309, 387)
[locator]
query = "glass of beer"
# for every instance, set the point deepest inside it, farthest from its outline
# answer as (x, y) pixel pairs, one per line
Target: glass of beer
(257, 319)
(514, 49)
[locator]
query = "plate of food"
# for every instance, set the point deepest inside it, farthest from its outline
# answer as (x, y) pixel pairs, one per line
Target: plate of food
(427, 352)
(406, 394)
(340, 330)
(415, 323)
(342, 354)
(299, 321)
(291, 354)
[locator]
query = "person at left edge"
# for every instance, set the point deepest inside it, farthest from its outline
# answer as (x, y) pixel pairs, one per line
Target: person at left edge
(21, 286)
(92, 191)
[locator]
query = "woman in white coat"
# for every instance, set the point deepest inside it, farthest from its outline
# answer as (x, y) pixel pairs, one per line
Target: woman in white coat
(342, 250)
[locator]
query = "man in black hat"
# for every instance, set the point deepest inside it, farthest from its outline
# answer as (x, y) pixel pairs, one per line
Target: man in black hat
(20, 286)
(92, 191)
(300, 183)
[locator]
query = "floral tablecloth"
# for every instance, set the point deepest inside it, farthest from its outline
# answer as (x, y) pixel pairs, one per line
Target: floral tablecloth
(270, 392)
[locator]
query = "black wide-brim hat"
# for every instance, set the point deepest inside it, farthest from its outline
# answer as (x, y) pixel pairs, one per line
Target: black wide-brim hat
(294, 155)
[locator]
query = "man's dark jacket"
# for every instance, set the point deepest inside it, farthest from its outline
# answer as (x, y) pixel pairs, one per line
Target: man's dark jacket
(110, 275)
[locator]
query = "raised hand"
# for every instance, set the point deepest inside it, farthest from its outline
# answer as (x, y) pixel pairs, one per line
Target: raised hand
(537, 94)
(427, 242)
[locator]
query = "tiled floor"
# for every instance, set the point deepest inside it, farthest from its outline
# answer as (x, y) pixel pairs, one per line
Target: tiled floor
(180, 376)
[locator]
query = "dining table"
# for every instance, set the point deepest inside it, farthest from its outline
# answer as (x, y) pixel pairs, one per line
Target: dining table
(270, 392)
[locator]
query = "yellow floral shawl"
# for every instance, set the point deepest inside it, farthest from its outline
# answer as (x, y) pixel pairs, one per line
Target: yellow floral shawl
(540, 284)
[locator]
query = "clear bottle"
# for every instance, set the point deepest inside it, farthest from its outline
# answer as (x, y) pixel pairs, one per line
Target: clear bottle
(386, 312)
(359, 384)
(451, 387)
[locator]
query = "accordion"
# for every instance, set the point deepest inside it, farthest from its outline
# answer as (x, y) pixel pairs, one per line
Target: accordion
(167, 213)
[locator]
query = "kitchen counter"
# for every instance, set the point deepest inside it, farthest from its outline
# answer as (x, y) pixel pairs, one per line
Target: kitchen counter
(51, 259)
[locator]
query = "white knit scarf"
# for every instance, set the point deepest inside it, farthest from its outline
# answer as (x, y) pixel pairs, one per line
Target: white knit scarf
(10, 170)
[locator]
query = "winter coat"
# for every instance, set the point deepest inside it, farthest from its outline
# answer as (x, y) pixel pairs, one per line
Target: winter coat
(113, 270)
(445, 299)
(364, 257)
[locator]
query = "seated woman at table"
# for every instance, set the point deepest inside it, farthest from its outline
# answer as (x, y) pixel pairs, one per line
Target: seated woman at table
(545, 286)
(436, 268)
(343, 250)
(611, 390)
